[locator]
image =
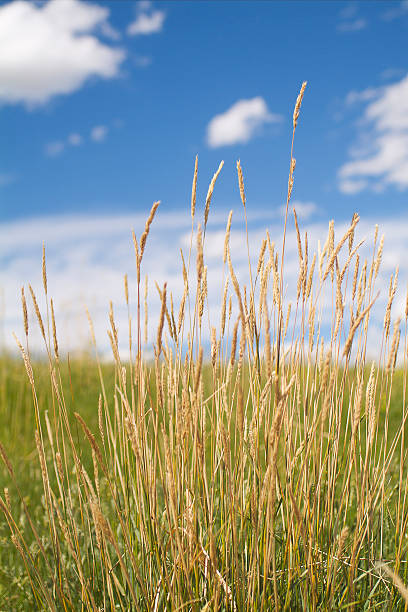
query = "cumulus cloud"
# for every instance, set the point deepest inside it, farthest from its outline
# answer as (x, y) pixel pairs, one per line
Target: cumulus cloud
(148, 20)
(239, 123)
(52, 48)
(382, 158)
(99, 133)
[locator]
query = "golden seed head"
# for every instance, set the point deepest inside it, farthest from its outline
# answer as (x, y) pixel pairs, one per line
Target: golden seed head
(24, 304)
(298, 104)
(210, 193)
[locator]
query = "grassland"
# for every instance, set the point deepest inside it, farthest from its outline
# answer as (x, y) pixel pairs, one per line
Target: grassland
(263, 470)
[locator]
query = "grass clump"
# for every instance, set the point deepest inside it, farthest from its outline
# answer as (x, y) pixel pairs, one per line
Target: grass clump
(263, 471)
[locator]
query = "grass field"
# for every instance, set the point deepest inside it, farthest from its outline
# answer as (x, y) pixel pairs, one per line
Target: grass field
(264, 469)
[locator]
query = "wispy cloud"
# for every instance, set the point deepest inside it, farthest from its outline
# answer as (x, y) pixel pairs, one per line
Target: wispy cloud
(109, 31)
(55, 148)
(361, 96)
(304, 210)
(239, 123)
(32, 74)
(349, 19)
(352, 26)
(398, 9)
(99, 133)
(349, 10)
(142, 61)
(392, 74)
(148, 20)
(380, 158)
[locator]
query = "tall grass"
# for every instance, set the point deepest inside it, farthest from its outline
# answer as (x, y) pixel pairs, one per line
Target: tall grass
(260, 470)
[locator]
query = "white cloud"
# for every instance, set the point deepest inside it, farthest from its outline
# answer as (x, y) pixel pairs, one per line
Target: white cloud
(392, 73)
(74, 139)
(348, 11)
(6, 179)
(349, 20)
(51, 49)
(148, 20)
(304, 210)
(352, 187)
(361, 96)
(53, 149)
(398, 10)
(352, 26)
(239, 123)
(99, 133)
(82, 271)
(382, 160)
(110, 32)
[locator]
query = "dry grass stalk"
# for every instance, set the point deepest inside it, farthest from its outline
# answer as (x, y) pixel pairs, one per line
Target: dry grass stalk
(235, 284)
(394, 346)
(25, 316)
(6, 460)
(194, 190)
(227, 237)
(161, 321)
(354, 327)
(26, 360)
(261, 256)
(147, 228)
(391, 296)
(54, 331)
(224, 307)
(241, 184)
(379, 257)
(298, 104)
(91, 440)
(200, 256)
(37, 312)
(396, 580)
(336, 251)
(210, 193)
(370, 404)
(146, 309)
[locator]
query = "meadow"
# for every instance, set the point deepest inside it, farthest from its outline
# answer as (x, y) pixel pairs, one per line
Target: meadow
(262, 469)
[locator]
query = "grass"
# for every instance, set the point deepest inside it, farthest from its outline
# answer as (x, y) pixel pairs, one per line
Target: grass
(265, 471)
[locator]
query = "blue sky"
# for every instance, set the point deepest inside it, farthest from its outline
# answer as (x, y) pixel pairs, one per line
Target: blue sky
(170, 83)
(104, 105)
